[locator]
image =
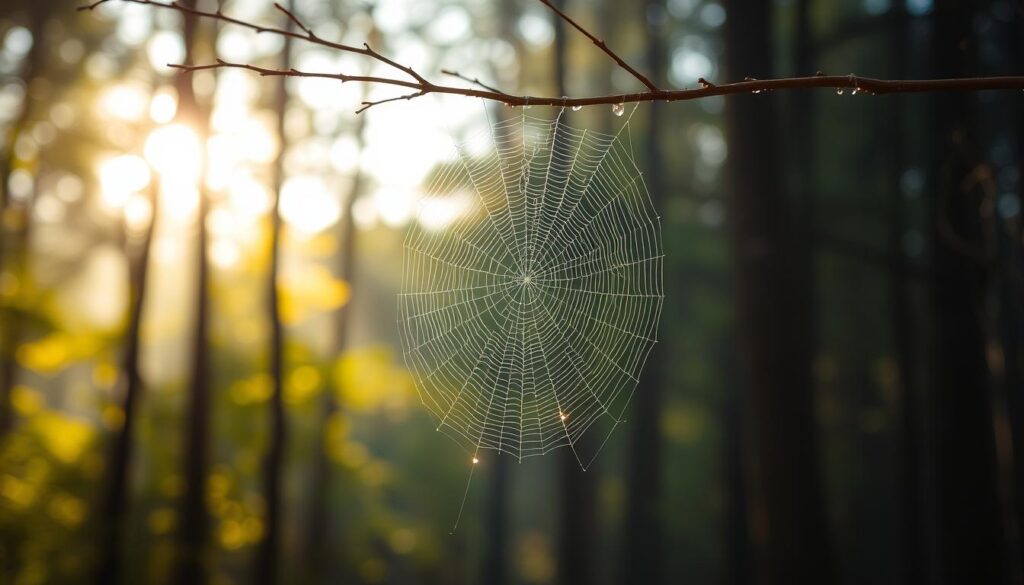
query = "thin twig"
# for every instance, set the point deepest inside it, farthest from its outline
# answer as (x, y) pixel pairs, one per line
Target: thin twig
(295, 20)
(473, 80)
(408, 96)
(307, 35)
(852, 84)
(603, 46)
(270, 72)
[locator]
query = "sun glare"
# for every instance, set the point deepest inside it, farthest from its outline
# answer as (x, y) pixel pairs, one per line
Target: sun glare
(307, 205)
(394, 206)
(175, 150)
(242, 141)
(124, 102)
(224, 253)
(249, 197)
(165, 47)
(222, 158)
(137, 212)
(120, 177)
(163, 107)
(179, 198)
(256, 141)
(437, 213)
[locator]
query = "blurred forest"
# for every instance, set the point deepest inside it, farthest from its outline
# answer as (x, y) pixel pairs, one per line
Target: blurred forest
(837, 397)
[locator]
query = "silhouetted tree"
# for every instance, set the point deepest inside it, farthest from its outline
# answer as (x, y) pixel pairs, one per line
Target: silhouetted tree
(12, 317)
(576, 540)
(115, 499)
(320, 531)
(1011, 248)
(496, 516)
(193, 532)
(968, 515)
(738, 569)
(643, 530)
(901, 315)
(268, 551)
(773, 322)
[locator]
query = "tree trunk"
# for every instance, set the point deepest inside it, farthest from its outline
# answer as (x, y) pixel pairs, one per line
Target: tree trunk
(643, 530)
(320, 532)
(738, 569)
(968, 518)
(1012, 319)
(193, 532)
(495, 562)
(13, 322)
(773, 321)
(576, 538)
(115, 500)
(901, 316)
(268, 550)
(494, 569)
(1009, 294)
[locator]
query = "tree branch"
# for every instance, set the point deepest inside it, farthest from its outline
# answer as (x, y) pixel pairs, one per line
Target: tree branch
(369, 104)
(601, 45)
(306, 34)
(473, 80)
(856, 85)
(295, 20)
(269, 72)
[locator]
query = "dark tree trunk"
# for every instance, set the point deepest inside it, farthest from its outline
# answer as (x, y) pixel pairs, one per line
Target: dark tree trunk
(495, 568)
(970, 531)
(1011, 242)
(1009, 292)
(901, 316)
(320, 533)
(804, 180)
(32, 66)
(577, 538)
(192, 537)
(738, 569)
(114, 504)
(193, 532)
(495, 562)
(268, 551)
(643, 533)
(12, 321)
(773, 323)
(577, 527)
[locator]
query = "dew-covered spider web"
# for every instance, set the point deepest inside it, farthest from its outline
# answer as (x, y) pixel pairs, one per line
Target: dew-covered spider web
(527, 318)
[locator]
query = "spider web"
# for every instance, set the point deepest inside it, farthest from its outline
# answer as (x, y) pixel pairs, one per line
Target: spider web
(528, 319)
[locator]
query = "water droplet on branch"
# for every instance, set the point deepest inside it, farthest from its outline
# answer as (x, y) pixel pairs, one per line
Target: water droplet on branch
(839, 92)
(618, 109)
(577, 108)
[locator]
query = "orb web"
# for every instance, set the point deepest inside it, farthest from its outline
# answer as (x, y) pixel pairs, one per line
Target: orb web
(527, 317)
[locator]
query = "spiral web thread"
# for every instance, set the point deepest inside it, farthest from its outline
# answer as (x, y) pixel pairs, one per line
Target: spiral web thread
(528, 320)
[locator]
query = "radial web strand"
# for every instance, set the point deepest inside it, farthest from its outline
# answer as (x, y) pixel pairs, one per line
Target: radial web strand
(528, 317)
